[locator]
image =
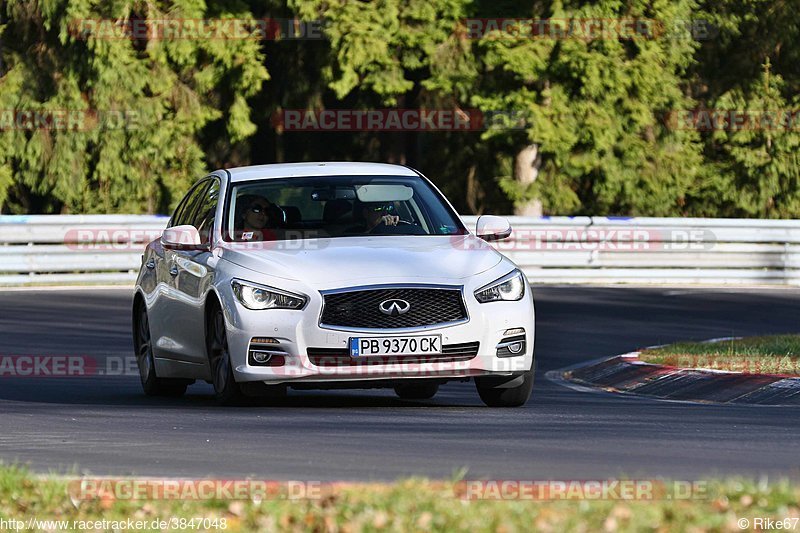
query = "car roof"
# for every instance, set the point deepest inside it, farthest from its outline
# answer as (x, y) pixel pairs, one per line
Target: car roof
(292, 170)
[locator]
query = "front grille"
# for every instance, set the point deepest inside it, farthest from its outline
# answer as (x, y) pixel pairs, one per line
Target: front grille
(360, 309)
(341, 356)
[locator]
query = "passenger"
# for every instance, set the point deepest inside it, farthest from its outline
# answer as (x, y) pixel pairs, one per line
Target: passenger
(257, 214)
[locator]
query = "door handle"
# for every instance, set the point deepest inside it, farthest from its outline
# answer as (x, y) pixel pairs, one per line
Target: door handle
(151, 264)
(173, 270)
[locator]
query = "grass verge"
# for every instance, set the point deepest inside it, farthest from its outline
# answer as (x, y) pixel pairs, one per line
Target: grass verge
(773, 354)
(411, 505)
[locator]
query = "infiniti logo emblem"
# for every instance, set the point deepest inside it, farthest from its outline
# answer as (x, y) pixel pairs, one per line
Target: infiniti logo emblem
(394, 307)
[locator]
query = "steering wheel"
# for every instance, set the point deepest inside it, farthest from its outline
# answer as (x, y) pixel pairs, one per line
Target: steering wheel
(281, 214)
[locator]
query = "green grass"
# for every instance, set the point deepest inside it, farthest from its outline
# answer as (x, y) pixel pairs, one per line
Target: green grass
(416, 505)
(774, 354)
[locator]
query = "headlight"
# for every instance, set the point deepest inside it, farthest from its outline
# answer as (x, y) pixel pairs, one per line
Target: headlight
(258, 297)
(509, 288)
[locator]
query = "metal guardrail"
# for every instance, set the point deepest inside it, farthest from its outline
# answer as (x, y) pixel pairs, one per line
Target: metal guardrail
(76, 249)
(656, 250)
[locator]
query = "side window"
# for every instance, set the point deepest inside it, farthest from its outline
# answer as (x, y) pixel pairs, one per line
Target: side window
(178, 214)
(203, 218)
(184, 214)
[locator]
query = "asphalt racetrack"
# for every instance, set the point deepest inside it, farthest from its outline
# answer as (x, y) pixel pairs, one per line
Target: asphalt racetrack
(104, 425)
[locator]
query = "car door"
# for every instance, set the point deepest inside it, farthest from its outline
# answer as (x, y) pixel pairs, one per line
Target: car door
(165, 306)
(161, 304)
(191, 276)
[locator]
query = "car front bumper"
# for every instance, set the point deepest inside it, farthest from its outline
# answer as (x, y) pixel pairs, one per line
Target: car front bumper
(300, 337)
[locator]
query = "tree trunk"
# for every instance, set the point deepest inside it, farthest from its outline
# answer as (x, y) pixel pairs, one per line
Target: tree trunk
(526, 169)
(474, 192)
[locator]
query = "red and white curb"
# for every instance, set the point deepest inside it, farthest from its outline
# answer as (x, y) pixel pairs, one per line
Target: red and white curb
(627, 374)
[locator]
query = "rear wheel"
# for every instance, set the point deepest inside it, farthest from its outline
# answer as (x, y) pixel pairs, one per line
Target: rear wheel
(418, 391)
(226, 390)
(505, 391)
(151, 383)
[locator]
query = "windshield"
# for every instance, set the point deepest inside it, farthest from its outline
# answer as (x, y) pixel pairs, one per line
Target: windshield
(337, 206)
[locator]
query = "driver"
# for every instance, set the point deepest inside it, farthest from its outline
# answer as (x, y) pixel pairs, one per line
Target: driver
(373, 214)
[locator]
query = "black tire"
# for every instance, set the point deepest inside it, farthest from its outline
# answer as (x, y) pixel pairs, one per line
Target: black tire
(226, 390)
(142, 344)
(417, 391)
(509, 391)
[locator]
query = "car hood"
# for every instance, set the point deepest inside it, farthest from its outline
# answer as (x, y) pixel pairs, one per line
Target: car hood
(326, 263)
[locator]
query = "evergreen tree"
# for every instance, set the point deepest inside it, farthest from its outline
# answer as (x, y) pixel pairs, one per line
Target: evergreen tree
(754, 139)
(147, 101)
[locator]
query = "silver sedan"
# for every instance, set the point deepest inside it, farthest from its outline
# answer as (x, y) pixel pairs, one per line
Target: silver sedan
(330, 275)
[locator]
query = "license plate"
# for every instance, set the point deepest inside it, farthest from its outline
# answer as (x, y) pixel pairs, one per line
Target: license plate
(419, 345)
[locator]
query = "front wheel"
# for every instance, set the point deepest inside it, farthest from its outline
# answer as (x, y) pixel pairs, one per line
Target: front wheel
(506, 391)
(226, 390)
(142, 342)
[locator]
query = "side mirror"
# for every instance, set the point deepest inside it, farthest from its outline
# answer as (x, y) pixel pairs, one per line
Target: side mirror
(184, 237)
(492, 228)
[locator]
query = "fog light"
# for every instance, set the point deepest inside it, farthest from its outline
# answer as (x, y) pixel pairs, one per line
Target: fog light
(515, 347)
(514, 331)
(265, 351)
(261, 357)
(511, 346)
